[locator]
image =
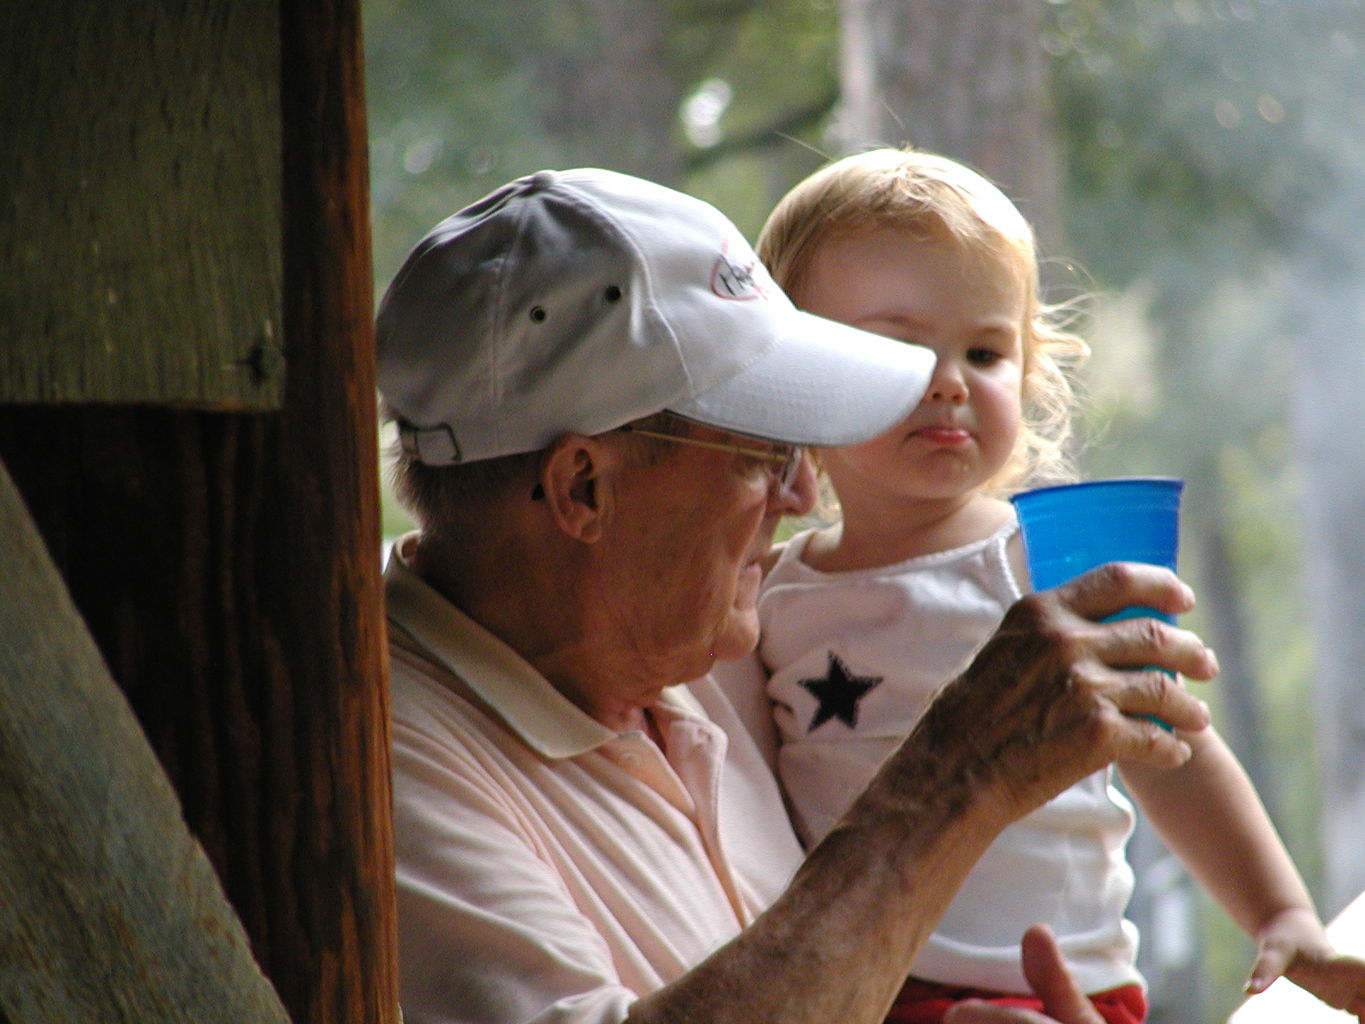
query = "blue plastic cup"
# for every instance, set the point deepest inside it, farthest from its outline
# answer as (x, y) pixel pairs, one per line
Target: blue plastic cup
(1072, 528)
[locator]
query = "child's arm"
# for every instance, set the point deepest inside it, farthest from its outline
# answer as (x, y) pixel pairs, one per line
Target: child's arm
(1209, 815)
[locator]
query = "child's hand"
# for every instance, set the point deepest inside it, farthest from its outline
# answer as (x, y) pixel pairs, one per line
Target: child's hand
(1295, 945)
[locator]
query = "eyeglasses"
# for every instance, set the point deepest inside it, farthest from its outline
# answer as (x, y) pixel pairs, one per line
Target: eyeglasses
(785, 457)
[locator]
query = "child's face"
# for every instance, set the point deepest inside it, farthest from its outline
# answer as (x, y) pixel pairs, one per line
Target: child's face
(970, 311)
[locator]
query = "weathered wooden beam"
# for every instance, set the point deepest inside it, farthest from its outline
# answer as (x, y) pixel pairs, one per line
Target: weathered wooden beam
(109, 909)
(140, 260)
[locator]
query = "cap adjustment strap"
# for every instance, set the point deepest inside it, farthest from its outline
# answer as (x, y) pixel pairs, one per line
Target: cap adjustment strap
(434, 446)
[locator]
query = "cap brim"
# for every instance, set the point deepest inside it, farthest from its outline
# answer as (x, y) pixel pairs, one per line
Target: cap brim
(823, 384)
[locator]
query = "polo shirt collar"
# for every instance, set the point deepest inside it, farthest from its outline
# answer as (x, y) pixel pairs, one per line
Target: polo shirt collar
(547, 721)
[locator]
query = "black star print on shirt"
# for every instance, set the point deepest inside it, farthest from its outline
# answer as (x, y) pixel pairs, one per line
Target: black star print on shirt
(838, 692)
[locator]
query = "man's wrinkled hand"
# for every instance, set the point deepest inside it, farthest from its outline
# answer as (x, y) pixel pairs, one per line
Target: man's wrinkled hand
(1057, 694)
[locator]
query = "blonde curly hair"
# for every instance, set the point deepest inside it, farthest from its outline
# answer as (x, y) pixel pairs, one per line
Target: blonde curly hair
(943, 199)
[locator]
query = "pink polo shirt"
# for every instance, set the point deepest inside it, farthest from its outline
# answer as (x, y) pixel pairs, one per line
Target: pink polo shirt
(550, 869)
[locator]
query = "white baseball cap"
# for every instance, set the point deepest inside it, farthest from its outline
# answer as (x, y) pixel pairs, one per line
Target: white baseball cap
(577, 301)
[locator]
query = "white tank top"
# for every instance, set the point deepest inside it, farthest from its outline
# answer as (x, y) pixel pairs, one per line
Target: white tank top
(853, 660)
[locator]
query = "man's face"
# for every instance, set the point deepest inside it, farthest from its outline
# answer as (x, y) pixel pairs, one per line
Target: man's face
(688, 539)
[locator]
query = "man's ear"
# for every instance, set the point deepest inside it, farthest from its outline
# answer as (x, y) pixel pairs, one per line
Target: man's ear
(571, 478)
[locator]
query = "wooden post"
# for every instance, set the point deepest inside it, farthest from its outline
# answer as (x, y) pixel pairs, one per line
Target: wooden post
(227, 565)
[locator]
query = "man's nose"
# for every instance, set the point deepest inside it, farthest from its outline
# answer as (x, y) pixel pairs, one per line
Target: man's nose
(797, 496)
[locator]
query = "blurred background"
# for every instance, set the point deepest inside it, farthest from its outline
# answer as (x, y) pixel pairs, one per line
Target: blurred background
(1195, 170)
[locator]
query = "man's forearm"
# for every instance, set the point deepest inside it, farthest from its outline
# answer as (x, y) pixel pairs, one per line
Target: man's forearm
(838, 944)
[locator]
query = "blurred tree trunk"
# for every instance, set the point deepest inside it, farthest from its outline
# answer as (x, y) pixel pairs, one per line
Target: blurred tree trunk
(966, 79)
(601, 107)
(1221, 597)
(1330, 437)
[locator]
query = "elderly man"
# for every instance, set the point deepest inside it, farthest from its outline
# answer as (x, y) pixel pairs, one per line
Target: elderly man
(602, 401)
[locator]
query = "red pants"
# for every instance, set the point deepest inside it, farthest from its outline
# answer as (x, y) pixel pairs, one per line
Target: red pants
(925, 1002)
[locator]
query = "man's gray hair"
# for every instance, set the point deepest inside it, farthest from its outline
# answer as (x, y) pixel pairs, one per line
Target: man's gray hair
(442, 499)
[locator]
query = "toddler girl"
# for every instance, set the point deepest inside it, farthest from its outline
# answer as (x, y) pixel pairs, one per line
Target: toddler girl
(863, 620)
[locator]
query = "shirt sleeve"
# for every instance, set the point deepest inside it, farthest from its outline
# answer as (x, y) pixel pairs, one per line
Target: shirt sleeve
(487, 931)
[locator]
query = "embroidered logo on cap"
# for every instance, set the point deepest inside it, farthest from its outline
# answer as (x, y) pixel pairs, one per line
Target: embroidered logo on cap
(733, 280)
